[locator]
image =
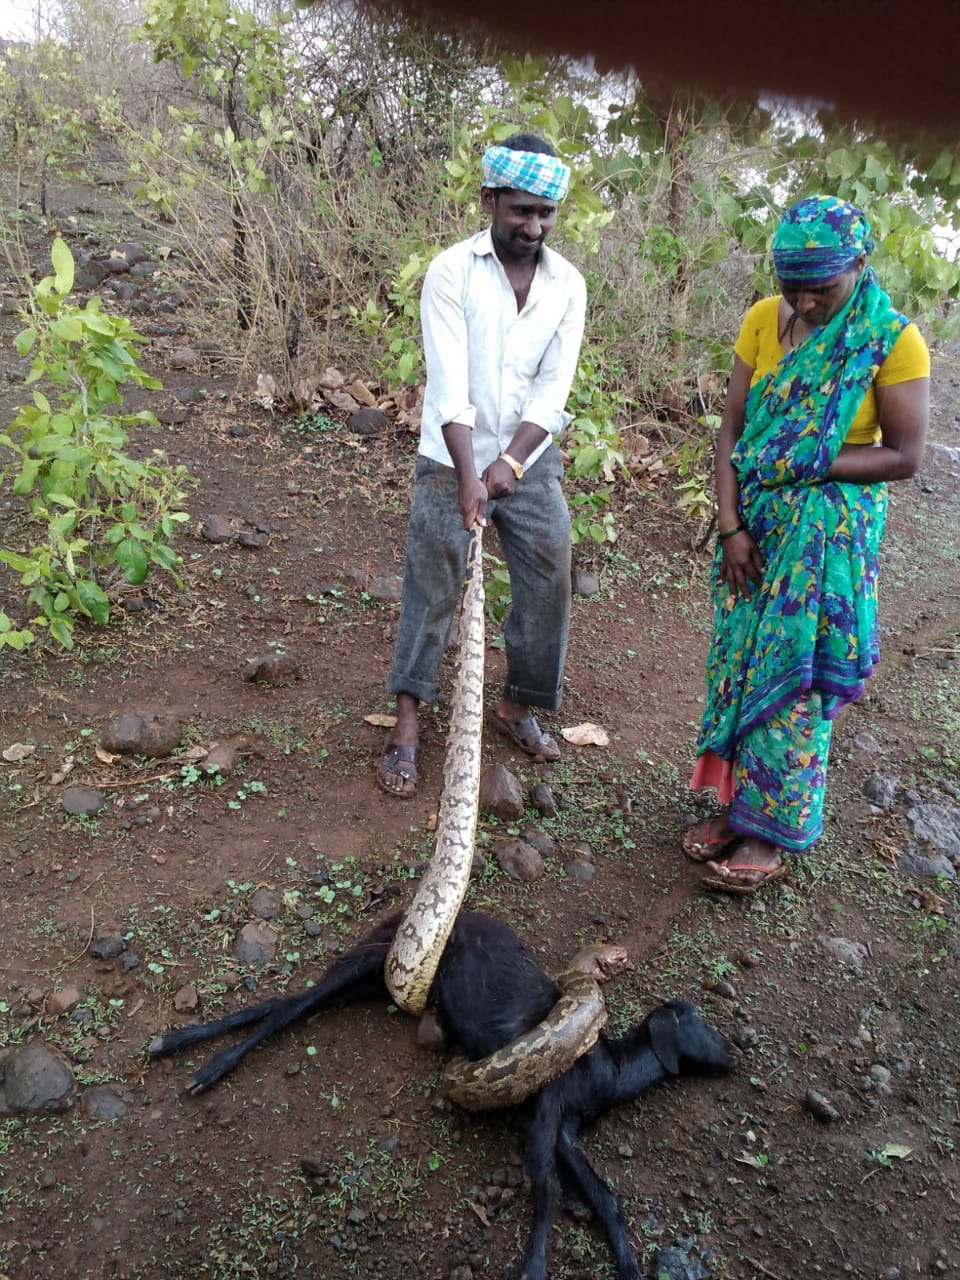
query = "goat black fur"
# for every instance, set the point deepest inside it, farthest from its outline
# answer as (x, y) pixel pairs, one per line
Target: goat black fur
(490, 989)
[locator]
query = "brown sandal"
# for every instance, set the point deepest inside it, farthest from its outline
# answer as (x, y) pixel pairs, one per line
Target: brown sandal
(742, 878)
(527, 735)
(398, 761)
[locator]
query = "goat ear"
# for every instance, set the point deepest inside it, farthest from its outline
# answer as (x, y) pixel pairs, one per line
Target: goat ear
(664, 1028)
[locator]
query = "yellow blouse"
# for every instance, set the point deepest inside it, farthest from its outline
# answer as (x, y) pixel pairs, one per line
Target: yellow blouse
(759, 347)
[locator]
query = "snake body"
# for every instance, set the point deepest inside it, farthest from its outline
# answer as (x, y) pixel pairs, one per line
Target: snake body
(522, 1068)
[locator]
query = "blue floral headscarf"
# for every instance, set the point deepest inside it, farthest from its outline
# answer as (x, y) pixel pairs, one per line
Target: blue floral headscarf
(819, 237)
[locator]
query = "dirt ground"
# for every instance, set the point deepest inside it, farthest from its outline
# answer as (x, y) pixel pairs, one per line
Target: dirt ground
(332, 1152)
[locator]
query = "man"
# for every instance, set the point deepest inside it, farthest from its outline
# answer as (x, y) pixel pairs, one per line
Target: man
(502, 319)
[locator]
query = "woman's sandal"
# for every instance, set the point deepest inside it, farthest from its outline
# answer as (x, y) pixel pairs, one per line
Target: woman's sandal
(398, 761)
(742, 878)
(707, 839)
(527, 735)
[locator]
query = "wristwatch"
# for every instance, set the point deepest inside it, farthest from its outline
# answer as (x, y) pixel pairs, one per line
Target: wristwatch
(515, 466)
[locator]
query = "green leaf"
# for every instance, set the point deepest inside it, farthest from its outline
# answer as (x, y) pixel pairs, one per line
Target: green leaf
(62, 260)
(133, 560)
(25, 340)
(94, 601)
(62, 631)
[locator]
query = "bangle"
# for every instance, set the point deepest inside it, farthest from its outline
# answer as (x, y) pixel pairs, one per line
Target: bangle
(722, 537)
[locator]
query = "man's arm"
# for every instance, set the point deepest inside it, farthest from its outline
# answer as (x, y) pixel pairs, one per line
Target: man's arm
(545, 411)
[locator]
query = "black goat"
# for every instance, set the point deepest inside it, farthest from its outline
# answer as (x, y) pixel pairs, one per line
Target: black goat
(489, 990)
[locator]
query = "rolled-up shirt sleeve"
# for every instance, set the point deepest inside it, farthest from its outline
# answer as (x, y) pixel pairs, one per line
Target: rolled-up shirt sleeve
(546, 405)
(446, 344)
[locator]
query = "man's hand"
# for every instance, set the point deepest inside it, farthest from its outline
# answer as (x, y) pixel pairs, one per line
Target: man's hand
(499, 479)
(472, 500)
(742, 564)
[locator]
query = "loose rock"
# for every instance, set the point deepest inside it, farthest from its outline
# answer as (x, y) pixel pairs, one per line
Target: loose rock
(82, 802)
(266, 903)
(580, 870)
(367, 421)
(938, 824)
(146, 733)
(583, 583)
(274, 669)
(518, 859)
(186, 1000)
(108, 946)
(256, 944)
(881, 791)
(846, 951)
(61, 1001)
(820, 1107)
(913, 863)
(217, 529)
(34, 1077)
(500, 793)
(388, 590)
(101, 1103)
(541, 797)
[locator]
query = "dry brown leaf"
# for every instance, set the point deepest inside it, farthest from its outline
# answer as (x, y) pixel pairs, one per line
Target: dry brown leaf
(587, 735)
(196, 752)
(266, 390)
(340, 400)
(382, 721)
(361, 392)
(103, 755)
(331, 379)
(18, 751)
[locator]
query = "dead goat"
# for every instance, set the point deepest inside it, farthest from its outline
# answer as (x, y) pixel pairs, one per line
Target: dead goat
(489, 990)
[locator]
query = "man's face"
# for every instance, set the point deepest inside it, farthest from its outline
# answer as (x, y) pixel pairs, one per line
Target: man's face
(521, 222)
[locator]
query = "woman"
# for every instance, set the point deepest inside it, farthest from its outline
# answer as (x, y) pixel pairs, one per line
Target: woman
(827, 401)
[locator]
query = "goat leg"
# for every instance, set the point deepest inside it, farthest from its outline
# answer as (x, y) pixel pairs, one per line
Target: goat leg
(598, 1197)
(355, 975)
(540, 1159)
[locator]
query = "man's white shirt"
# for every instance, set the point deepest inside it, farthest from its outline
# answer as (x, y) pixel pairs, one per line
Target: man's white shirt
(489, 366)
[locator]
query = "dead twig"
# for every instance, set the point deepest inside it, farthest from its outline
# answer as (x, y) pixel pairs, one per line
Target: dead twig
(86, 944)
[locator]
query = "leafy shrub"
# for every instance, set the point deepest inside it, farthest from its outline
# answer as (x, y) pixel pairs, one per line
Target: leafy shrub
(103, 513)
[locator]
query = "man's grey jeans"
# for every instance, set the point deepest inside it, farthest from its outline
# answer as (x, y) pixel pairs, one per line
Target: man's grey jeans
(534, 528)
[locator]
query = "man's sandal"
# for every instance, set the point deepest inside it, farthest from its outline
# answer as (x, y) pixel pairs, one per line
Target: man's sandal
(742, 878)
(526, 734)
(708, 839)
(398, 761)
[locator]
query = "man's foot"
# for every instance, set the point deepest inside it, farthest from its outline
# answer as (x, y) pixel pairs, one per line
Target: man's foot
(750, 865)
(397, 770)
(520, 726)
(708, 839)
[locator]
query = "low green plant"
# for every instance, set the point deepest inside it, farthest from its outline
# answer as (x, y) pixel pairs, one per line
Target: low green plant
(103, 513)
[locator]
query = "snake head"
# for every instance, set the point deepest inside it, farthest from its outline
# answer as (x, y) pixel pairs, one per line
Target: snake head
(602, 961)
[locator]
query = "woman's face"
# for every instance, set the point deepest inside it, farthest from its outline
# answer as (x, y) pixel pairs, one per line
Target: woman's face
(818, 303)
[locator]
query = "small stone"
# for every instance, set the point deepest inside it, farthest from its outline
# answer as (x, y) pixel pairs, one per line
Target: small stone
(217, 529)
(846, 950)
(820, 1107)
(108, 946)
(311, 929)
(266, 903)
(61, 1001)
(880, 1074)
(102, 1103)
(518, 859)
(746, 1038)
(186, 1000)
(46, 1179)
(500, 793)
(82, 802)
(913, 863)
(220, 759)
(153, 733)
(251, 541)
(274, 669)
(580, 870)
(256, 944)
(866, 742)
(430, 1033)
(541, 797)
(881, 791)
(183, 358)
(583, 583)
(34, 1077)
(388, 590)
(367, 421)
(725, 989)
(542, 841)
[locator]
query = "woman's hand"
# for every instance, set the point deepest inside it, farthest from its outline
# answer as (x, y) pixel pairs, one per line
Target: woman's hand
(742, 568)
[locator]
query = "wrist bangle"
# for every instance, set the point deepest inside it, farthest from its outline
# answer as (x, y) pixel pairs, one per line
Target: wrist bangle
(722, 537)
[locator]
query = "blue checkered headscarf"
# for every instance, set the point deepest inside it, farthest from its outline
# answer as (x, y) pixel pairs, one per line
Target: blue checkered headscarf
(541, 175)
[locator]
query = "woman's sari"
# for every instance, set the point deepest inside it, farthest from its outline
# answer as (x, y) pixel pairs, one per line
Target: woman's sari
(784, 660)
